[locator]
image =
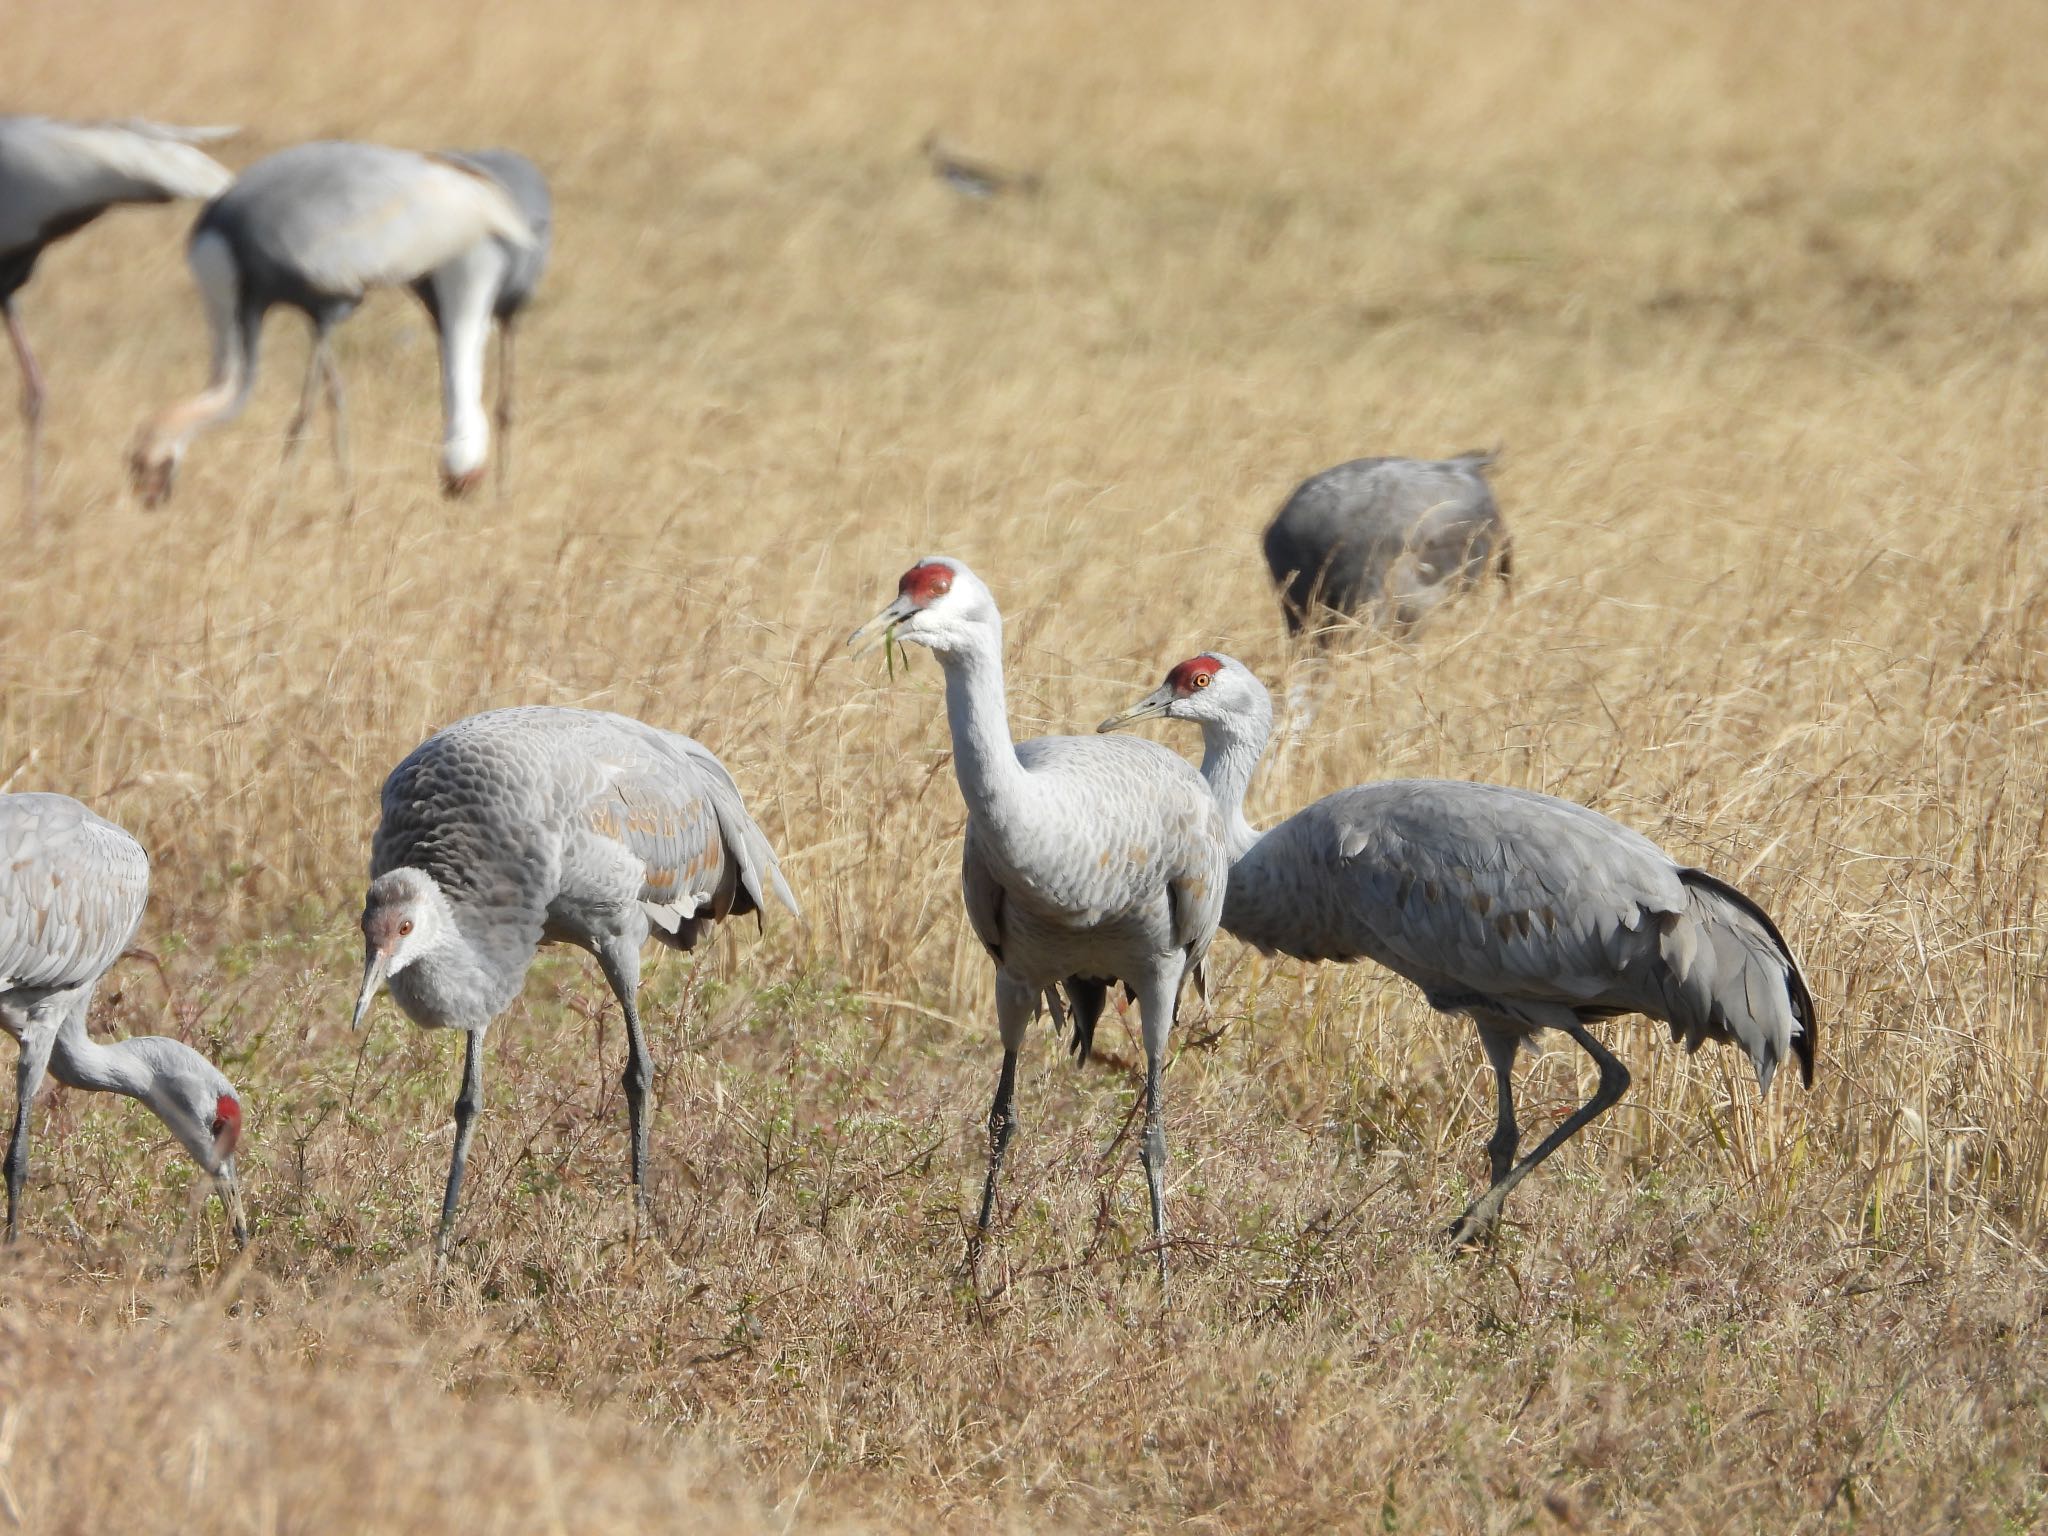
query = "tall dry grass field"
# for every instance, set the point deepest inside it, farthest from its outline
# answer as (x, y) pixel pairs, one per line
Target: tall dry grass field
(1756, 298)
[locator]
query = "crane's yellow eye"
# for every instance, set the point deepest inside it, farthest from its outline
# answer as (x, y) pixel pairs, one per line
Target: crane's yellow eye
(405, 927)
(1202, 679)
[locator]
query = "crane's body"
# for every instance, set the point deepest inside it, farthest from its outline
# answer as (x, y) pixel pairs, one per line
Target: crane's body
(519, 827)
(1524, 911)
(72, 891)
(448, 289)
(315, 228)
(1086, 862)
(56, 177)
(1386, 538)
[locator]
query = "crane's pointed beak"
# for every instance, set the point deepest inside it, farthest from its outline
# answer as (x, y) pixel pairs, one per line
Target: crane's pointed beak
(231, 1200)
(375, 964)
(880, 627)
(1152, 707)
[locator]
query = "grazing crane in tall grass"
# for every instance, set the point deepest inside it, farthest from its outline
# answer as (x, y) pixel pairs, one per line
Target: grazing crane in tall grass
(56, 177)
(72, 889)
(1520, 910)
(315, 227)
(1087, 862)
(1387, 538)
(519, 827)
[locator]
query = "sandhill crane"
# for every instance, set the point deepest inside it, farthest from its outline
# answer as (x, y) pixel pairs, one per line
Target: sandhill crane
(57, 177)
(976, 180)
(1523, 911)
(1390, 538)
(521, 268)
(316, 227)
(518, 827)
(1086, 862)
(72, 889)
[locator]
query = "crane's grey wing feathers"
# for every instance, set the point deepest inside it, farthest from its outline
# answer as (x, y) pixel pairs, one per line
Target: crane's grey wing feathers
(72, 890)
(56, 175)
(353, 216)
(1482, 892)
(1391, 531)
(984, 899)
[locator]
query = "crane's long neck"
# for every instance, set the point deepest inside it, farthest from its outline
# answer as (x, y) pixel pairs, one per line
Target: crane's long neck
(79, 1061)
(464, 291)
(1231, 750)
(235, 327)
(992, 781)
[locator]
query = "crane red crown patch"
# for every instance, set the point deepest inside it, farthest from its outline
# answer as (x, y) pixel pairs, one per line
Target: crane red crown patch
(227, 1124)
(922, 583)
(1182, 678)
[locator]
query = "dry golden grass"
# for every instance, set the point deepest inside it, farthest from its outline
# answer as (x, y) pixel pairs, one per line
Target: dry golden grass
(1754, 297)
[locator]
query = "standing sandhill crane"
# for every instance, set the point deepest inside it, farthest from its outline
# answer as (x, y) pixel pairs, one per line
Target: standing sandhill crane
(1388, 537)
(57, 177)
(316, 227)
(519, 827)
(1086, 862)
(1521, 910)
(519, 274)
(72, 889)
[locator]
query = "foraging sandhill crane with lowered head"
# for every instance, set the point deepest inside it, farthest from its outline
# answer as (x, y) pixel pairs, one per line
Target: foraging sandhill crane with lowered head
(1387, 538)
(315, 227)
(520, 268)
(1520, 910)
(519, 827)
(57, 177)
(1087, 861)
(72, 889)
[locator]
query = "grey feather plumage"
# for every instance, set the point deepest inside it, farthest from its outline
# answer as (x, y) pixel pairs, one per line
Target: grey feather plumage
(522, 826)
(1086, 861)
(528, 188)
(1524, 911)
(72, 891)
(1492, 898)
(1387, 539)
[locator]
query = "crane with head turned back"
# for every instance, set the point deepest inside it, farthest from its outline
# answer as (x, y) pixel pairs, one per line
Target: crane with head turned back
(519, 827)
(1087, 862)
(315, 227)
(1520, 910)
(56, 177)
(72, 890)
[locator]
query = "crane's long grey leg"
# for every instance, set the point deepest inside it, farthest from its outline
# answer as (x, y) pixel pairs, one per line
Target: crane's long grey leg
(468, 1104)
(36, 1042)
(31, 404)
(302, 418)
(1015, 1005)
(1157, 1000)
(1485, 1211)
(621, 963)
(1500, 1046)
(504, 407)
(337, 402)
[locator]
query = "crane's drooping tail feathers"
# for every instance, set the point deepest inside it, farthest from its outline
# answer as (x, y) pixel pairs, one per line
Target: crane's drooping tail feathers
(741, 834)
(1735, 978)
(158, 161)
(1086, 996)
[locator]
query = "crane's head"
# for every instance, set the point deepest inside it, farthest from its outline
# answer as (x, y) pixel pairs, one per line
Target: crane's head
(1210, 688)
(404, 916)
(194, 1098)
(939, 604)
